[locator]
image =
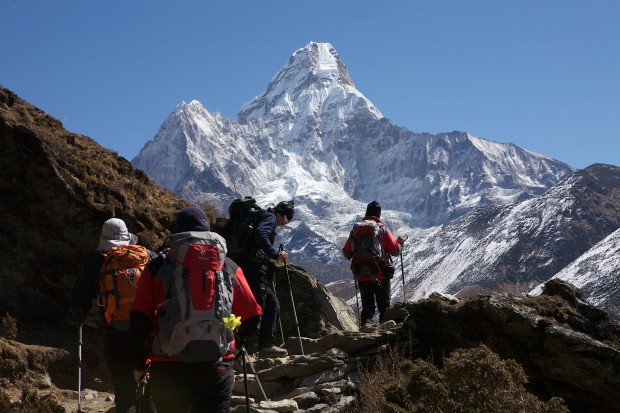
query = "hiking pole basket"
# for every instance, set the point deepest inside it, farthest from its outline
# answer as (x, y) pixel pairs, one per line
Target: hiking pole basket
(290, 289)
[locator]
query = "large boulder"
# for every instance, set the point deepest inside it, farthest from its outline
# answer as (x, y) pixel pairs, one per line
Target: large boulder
(319, 313)
(567, 347)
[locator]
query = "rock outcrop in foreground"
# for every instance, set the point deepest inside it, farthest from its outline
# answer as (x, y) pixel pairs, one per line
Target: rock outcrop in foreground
(567, 348)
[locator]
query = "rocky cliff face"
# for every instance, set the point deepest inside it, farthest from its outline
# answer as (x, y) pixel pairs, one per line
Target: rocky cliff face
(57, 190)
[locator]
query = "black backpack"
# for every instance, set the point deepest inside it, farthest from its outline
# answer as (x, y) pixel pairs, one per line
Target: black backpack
(239, 230)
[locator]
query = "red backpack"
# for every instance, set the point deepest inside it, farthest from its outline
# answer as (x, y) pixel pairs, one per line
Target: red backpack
(198, 295)
(366, 248)
(118, 282)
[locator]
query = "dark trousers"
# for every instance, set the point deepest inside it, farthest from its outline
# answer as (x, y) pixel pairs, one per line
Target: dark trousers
(192, 387)
(262, 289)
(117, 347)
(374, 292)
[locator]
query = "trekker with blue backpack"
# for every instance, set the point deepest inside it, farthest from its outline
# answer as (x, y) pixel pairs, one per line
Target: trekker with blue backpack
(370, 247)
(190, 301)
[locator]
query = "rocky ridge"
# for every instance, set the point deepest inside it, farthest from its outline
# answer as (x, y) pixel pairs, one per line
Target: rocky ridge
(567, 348)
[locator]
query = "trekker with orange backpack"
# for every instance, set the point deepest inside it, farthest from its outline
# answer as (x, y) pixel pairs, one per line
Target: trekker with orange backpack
(111, 275)
(192, 301)
(370, 248)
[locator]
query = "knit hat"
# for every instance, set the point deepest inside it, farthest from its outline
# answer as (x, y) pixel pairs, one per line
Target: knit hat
(192, 218)
(373, 209)
(286, 208)
(113, 233)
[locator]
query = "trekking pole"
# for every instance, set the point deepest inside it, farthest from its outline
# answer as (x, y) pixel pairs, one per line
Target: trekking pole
(244, 352)
(279, 318)
(290, 289)
(402, 269)
(245, 378)
(79, 408)
(357, 301)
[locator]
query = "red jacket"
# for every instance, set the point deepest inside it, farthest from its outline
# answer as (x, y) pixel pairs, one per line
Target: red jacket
(389, 246)
(151, 293)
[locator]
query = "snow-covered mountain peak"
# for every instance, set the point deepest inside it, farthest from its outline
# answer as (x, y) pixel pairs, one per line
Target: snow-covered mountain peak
(313, 82)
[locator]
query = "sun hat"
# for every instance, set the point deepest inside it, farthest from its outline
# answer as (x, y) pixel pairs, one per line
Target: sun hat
(113, 233)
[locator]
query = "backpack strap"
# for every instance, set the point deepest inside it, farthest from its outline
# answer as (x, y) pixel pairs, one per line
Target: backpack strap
(230, 269)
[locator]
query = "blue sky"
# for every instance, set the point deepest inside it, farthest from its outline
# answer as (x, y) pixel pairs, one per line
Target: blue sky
(543, 74)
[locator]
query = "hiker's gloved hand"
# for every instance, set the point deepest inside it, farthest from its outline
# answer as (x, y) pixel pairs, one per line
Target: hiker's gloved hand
(400, 240)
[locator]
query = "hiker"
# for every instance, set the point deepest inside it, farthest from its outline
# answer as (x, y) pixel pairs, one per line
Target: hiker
(370, 248)
(254, 265)
(95, 282)
(187, 298)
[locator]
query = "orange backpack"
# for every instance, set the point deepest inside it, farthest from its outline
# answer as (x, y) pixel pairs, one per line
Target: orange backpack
(118, 282)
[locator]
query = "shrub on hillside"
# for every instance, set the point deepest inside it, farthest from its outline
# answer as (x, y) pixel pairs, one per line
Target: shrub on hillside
(471, 380)
(8, 327)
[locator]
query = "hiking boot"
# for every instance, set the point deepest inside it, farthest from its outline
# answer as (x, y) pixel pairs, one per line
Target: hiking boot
(367, 327)
(272, 352)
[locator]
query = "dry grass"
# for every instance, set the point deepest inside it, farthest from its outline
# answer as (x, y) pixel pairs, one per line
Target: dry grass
(471, 381)
(30, 402)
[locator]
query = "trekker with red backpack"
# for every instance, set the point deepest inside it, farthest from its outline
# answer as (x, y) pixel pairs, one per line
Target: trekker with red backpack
(111, 275)
(370, 248)
(190, 301)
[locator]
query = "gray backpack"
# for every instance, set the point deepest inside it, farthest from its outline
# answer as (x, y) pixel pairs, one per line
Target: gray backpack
(198, 294)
